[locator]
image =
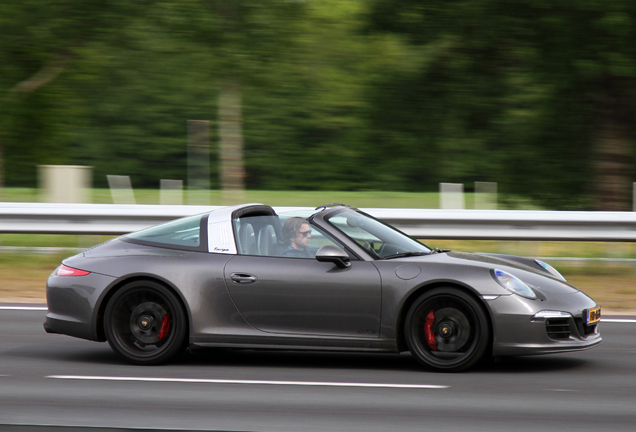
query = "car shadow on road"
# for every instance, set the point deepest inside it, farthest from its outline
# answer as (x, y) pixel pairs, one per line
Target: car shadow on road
(531, 364)
(299, 359)
(362, 361)
(100, 354)
(85, 352)
(70, 350)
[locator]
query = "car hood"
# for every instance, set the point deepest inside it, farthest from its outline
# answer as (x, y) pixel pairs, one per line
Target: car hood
(524, 268)
(518, 262)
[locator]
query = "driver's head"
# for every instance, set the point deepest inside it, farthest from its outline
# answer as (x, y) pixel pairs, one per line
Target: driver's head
(296, 233)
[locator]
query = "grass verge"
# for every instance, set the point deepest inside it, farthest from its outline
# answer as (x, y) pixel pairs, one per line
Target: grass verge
(23, 276)
(367, 199)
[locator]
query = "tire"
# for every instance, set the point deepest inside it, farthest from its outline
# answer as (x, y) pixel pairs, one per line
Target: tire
(145, 323)
(447, 330)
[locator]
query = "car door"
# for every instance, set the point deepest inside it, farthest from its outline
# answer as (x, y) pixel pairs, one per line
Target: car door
(305, 297)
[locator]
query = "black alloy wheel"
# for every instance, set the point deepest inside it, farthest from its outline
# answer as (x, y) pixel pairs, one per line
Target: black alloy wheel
(145, 323)
(447, 330)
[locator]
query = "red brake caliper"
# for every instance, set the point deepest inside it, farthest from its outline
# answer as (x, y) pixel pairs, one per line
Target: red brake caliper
(428, 329)
(165, 327)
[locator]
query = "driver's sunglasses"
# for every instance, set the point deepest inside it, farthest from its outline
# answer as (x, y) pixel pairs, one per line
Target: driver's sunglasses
(305, 233)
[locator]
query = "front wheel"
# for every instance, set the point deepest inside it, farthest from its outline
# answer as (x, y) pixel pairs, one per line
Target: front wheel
(145, 323)
(446, 329)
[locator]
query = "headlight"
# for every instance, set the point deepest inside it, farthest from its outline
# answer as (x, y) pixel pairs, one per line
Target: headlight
(545, 314)
(513, 284)
(550, 269)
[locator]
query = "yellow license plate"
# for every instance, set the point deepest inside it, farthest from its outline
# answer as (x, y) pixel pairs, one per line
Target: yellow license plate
(593, 315)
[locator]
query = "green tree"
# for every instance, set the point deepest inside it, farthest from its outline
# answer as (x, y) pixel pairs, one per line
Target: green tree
(532, 94)
(42, 40)
(112, 84)
(585, 54)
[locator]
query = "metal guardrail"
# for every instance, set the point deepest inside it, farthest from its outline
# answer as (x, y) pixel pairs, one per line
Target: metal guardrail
(110, 219)
(107, 219)
(512, 224)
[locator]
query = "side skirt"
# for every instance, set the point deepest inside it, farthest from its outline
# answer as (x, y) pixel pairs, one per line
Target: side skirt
(294, 343)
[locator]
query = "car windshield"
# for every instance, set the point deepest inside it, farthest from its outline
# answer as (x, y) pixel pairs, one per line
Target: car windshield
(378, 238)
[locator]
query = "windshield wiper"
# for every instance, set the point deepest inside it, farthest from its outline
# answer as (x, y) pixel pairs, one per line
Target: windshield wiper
(407, 254)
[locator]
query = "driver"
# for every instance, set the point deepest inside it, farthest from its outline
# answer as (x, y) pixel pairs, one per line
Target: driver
(296, 236)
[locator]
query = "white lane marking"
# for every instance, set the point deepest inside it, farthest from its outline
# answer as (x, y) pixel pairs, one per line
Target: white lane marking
(618, 320)
(226, 381)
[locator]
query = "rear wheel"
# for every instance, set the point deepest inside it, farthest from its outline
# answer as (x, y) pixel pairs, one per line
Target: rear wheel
(446, 329)
(145, 323)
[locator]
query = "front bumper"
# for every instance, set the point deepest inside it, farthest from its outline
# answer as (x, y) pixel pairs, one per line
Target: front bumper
(516, 333)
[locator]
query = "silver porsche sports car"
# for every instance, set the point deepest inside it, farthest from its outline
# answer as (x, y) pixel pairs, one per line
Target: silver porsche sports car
(333, 278)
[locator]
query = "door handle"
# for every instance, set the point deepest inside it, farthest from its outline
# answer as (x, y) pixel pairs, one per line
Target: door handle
(243, 278)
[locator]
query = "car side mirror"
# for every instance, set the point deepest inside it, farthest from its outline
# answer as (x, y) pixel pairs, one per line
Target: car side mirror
(335, 255)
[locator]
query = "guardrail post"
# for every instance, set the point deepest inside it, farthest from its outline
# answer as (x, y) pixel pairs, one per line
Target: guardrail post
(171, 192)
(486, 195)
(198, 161)
(451, 196)
(66, 183)
(121, 189)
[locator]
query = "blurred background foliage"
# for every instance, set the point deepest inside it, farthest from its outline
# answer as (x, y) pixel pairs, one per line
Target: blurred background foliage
(343, 95)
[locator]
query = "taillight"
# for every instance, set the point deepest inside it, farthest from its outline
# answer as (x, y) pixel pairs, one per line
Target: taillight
(70, 271)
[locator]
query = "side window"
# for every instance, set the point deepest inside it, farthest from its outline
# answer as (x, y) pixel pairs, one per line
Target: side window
(276, 237)
(184, 232)
(300, 239)
(257, 235)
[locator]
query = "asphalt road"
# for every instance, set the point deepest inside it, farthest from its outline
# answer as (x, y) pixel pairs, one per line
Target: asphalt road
(62, 381)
